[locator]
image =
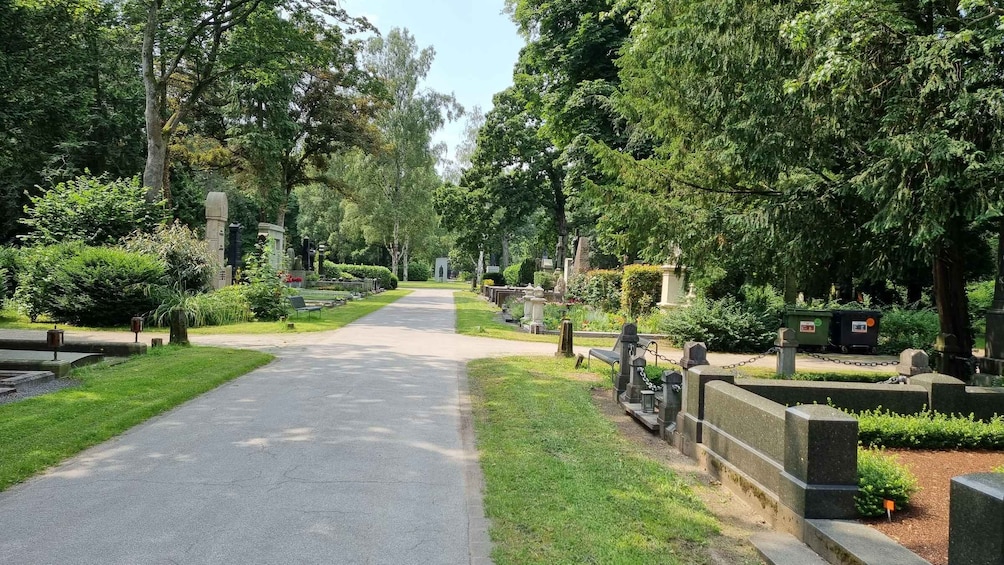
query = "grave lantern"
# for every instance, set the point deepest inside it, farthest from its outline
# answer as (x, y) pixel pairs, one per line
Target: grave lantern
(648, 401)
(54, 340)
(136, 326)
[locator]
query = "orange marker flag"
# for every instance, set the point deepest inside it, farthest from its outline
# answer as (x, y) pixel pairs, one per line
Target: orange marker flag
(889, 507)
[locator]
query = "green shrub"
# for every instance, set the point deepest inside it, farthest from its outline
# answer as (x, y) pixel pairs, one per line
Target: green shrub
(37, 267)
(526, 270)
(640, 289)
(544, 280)
(9, 267)
(981, 297)
(881, 477)
(265, 292)
(331, 271)
(228, 305)
(492, 279)
(417, 271)
(190, 264)
(727, 324)
(602, 289)
(903, 328)
(93, 210)
(511, 274)
(384, 277)
(104, 286)
(928, 430)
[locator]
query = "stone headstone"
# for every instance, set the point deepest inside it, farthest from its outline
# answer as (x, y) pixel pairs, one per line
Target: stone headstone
(695, 353)
(582, 255)
(275, 237)
(672, 285)
(217, 214)
(913, 362)
(493, 269)
(976, 519)
(442, 271)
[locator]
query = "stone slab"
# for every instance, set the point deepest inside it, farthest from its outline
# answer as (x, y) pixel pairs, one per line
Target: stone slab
(976, 522)
(7, 390)
(777, 548)
(13, 378)
(851, 543)
(650, 420)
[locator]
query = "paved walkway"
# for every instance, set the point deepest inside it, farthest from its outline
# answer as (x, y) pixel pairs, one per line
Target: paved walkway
(348, 449)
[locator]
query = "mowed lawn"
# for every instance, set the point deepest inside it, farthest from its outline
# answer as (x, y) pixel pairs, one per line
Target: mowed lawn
(42, 431)
(562, 486)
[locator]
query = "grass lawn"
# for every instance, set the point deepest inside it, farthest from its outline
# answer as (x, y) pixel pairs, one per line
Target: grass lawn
(562, 486)
(327, 319)
(476, 317)
(452, 285)
(42, 431)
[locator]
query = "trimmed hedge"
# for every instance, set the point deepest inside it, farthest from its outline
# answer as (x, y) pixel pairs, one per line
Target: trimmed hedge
(511, 274)
(641, 287)
(928, 430)
(544, 280)
(417, 271)
(383, 275)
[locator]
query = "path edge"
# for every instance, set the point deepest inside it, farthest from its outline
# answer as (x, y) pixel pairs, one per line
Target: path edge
(479, 543)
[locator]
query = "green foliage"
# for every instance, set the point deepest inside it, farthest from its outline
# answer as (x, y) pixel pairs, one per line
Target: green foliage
(544, 280)
(492, 279)
(228, 305)
(103, 286)
(903, 328)
(9, 260)
(527, 267)
(383, 275)
(981, 297)
(265, 292)
(331, 271)
(91, 209)
(881, 477)
(511, 274)
(599, 288)
(37, 270)
(190, 264)
(728, 324)
(640, 289)
(929, 430)
(417, 271)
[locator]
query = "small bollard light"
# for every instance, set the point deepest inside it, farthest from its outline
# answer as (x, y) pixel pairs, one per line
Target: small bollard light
(647, 401)
(136, 326)
(54, 340)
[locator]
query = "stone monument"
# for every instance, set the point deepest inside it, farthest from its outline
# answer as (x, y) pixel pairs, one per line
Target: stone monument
(275, 237)
(217, 215)
(582, 255)
(442, 272)
(672, 285)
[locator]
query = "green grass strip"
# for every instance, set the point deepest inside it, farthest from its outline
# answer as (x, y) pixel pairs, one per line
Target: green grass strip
(562, 486)
(42, 431)
(476, 317)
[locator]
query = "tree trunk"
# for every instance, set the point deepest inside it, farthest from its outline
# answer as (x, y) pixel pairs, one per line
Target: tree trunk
(956, 340)
(156, 148)
(405, 260)
(505, 252)
(178, 321)
(395, 248)
(560, 218)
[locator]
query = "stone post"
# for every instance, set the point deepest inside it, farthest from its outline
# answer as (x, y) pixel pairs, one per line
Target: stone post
(565, 348)
(695, 354)
(913, 362)
(629, 341)
(216, 233)
(537, 314)
(690, 422)
(786, 357)
(672, 399)
(632, 395)
(976, 520)
(820, 476)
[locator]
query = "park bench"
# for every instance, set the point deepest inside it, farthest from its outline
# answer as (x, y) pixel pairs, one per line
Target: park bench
(300, 306)
(612, 356)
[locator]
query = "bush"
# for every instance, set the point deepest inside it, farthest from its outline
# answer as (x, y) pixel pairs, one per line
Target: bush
(385, 278)
(104, 286)
(93, 210)
(728, 324)
(602, 289)
(908, 329)
(9, 266)
(881, 477)
(492, 279)
(265, 292)
(511, 274)
(929, 430)
(331, 271)
(641, 287)
(981, 297)
(228, 305)
(544, 280)
(527, 268)
(37, 268)
(418, 271)
(190, 264)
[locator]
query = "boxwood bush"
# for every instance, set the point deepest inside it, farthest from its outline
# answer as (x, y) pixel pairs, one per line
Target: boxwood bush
(383, 275)
(104, 286)
(929, 430)
(881, 477)
(417, 271)
(903, 328)
(728, 324)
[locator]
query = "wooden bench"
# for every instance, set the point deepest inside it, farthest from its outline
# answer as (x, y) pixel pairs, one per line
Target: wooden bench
(300, 306)
(612, 356)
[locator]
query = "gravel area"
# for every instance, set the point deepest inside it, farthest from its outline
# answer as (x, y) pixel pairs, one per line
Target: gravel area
(31, 389)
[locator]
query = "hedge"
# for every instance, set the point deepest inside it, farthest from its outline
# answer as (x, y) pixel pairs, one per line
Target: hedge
(386, 278)
(641, 287)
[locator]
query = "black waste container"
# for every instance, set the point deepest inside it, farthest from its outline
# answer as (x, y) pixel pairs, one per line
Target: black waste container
(855, 329)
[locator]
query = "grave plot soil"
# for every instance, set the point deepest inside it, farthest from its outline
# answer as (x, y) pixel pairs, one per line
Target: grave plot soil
(923, 528)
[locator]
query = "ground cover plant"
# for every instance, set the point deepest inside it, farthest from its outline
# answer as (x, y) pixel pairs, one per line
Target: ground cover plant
(41, 431)
(929, 430)
(881, 477)
(561, 486)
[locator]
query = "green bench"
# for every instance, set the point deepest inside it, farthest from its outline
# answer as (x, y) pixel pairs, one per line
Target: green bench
(300, 306)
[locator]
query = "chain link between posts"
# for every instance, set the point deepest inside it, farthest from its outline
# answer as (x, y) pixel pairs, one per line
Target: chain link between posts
(853, 363)
(771, 351)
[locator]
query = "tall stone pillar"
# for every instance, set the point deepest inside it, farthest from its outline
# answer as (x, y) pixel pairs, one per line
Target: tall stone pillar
(672, 285)
(217, 215)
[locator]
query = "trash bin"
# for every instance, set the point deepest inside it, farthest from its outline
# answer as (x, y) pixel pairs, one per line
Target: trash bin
(811, 327)
(855, 329)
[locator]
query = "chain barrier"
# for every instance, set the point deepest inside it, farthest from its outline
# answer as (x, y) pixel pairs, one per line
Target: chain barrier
(770, 351)
(668, 361)
(853, 363)
(651, 386)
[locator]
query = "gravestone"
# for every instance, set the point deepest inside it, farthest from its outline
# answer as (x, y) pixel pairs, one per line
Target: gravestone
(672, 285)
(442, 272)
(695, 354)
(993, 360)
(216, 234)
(582, 255)
(275, 238)
(976, 520)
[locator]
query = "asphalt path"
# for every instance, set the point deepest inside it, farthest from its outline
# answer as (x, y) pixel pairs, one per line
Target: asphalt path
(354, 446)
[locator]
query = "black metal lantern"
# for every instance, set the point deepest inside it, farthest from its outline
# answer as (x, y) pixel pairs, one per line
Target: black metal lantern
(54, 340)
(647, 401)
(136, 326)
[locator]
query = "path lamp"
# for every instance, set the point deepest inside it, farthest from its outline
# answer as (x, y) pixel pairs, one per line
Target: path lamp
(136, 326)
(54, 340)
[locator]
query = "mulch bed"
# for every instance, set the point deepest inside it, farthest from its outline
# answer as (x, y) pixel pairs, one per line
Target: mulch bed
(923, 527)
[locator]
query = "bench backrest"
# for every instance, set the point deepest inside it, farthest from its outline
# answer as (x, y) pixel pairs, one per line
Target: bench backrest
(297, 302)
(639, 349)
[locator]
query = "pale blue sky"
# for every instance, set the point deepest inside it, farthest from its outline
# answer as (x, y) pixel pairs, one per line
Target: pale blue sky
(476, 46)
